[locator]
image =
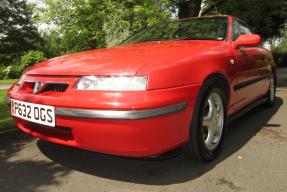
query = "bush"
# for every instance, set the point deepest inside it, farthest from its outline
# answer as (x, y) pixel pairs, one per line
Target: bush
(6, 72)
(10, 72)
(280, 59)
(2, 68)
(15, 72)
(31, 58)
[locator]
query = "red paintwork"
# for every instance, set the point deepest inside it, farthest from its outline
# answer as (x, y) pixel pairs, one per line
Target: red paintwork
(176, 71)
(247, 40)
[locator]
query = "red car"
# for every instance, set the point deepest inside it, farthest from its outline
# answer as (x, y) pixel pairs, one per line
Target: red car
(170, 86)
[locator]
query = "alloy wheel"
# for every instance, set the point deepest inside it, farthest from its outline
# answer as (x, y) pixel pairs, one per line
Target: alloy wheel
(213, 121)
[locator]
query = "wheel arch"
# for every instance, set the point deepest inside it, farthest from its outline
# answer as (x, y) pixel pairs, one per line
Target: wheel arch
(218, 76)
(193, 148)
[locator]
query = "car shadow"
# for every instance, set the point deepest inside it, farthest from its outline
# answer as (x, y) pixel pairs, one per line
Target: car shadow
(171, 171)
(24, 174)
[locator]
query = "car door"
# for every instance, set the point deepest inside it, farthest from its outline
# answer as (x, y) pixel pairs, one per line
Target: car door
(249, 69)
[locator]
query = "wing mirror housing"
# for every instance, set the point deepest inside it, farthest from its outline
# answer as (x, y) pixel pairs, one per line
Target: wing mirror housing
(247, 40)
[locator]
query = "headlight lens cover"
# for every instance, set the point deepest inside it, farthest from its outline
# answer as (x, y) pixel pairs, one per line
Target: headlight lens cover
(112, 83)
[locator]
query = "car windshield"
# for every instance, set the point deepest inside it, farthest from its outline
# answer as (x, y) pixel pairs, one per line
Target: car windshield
(208, 28)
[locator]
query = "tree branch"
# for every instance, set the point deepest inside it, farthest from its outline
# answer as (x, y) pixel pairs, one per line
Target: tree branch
(219, 2)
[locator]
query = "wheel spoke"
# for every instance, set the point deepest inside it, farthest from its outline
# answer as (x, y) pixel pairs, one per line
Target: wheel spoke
(207, 121)
(217, 129)
(210, 136)
(212, 107)
(218, 108)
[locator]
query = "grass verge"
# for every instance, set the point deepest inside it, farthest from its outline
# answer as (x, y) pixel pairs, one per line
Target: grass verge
(8, 81)
(6, 121)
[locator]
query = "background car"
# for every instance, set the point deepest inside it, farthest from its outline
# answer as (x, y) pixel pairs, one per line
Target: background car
(170, 86)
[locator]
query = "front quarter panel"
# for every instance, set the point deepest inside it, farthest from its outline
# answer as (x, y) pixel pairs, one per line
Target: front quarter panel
(191, 68)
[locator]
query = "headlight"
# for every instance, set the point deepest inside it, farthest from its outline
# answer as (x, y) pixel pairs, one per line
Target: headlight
(21, 79)
(113, 83)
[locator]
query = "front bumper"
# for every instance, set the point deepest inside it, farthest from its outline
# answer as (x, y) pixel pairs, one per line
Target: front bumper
(121, 114)
(139, 125)
(115, 114)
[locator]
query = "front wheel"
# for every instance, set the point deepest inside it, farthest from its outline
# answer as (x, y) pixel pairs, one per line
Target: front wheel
(208, 124)
(212, 120)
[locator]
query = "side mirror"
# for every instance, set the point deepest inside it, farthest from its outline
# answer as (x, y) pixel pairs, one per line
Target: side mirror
(248, 40)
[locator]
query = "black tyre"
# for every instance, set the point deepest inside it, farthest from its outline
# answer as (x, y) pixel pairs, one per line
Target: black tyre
(271, 92)
(208, 126)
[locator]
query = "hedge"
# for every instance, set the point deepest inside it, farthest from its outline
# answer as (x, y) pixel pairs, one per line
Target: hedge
(280, 59)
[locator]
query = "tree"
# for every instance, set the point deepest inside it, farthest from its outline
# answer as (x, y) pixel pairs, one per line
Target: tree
(188, 8)
(265, 17)
(17, 33)
(193, 8)
(88, 24)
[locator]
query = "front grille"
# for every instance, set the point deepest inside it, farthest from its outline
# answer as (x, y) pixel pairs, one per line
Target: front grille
(55, 87)
(28, 87)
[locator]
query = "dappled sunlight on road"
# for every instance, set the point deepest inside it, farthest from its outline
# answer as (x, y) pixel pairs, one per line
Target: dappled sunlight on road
(23, 170)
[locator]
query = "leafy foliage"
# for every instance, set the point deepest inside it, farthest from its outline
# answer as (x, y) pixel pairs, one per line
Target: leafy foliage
(265, 17)
(188, 8)
(87, 24)
(17, 33)
(52, 47)
(31, 58)
(282, 46)
(12, 71)
(280, 52)
(2, 74)
(6, 71)
(280, 58)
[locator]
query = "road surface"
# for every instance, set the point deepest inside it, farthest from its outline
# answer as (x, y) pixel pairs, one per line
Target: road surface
(5, 86)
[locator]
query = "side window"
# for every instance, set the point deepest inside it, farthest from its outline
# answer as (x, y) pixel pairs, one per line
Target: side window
(239, 29)
(235, 29)
(244, 29)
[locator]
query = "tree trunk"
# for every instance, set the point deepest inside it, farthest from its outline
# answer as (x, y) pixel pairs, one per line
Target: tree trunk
(211, 7)
(189, 8)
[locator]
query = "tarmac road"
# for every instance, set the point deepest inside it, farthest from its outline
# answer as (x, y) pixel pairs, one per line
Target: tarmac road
(5, 86)
(254, 159)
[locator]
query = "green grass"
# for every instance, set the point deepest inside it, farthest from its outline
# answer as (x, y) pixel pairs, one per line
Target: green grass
(8, 81)
(6, 121)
